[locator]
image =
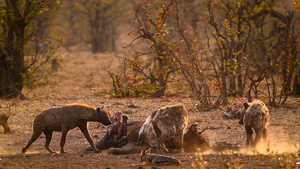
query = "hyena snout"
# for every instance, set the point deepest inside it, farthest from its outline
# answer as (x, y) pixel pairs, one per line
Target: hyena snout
(106, 122)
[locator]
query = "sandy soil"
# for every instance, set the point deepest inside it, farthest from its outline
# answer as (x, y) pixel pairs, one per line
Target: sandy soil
(83, 71)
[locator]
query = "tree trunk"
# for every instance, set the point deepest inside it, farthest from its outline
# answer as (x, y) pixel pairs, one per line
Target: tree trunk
(11, 73)
(94, 44)
(161, 80)
(12, 58)
(232, 85)
(224, 84)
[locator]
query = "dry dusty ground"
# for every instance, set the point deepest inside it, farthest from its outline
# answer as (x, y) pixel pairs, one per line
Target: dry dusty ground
(73, 82)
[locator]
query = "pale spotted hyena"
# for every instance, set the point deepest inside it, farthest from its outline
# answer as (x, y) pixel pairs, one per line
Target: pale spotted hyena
(255, 115)
(64, 119)
(168, 122)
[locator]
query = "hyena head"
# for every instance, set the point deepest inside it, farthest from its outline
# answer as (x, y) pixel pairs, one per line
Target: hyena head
(242, 113)
(146, 132)
(102, 116)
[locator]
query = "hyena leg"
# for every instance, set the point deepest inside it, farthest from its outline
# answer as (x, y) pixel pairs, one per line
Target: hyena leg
(160, 138)
(48, 135)
(63, 140)
(180, 140)
(35, 135)
(160, 143)
(258, 135)
(249, 133)
(85, 131)
(265, 134)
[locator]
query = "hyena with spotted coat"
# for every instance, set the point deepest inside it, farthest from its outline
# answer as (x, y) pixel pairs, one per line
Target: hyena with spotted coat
(64, 119)
(255, 115)
(168, 122)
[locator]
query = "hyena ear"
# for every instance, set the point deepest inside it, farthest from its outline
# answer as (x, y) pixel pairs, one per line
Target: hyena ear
(98, 110)
(246, 105)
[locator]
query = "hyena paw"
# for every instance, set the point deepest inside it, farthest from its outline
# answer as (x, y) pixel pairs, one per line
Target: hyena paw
(23, 150)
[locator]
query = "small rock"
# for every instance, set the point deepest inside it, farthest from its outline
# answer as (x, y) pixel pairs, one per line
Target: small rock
(133, 106)
(117, 103)
(128, 111)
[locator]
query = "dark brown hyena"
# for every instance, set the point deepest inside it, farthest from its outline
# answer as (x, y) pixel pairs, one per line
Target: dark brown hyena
(168, 122)
(193, 140)
(255, 115)
(64, 119)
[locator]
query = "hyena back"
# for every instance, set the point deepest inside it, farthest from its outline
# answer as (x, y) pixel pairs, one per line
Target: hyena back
(64, 119)
(168, 122)
(255, 115)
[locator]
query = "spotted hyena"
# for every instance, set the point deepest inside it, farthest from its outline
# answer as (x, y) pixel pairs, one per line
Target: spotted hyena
(3, 122)
(255, 115)
(193, 140)
(64, 119)
(168, 122)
